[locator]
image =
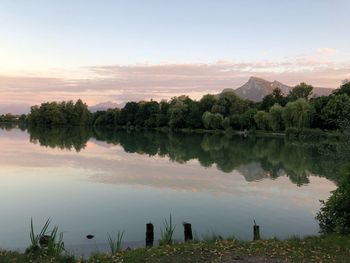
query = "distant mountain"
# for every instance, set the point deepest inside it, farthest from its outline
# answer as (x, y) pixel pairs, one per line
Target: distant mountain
(15, 109)
(105, 106)
(256, 89)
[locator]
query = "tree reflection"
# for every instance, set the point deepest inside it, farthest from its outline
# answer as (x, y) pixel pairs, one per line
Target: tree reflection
(70, 137)
(255, 158)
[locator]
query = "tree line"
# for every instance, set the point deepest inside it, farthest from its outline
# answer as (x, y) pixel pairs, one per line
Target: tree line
(60, 113)
(276, 112)
(11, 118)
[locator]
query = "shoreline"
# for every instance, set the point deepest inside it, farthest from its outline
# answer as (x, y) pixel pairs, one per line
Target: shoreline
(262, 133)
(327, 248)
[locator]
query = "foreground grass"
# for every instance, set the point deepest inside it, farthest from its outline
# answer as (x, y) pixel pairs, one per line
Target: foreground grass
(333, 248)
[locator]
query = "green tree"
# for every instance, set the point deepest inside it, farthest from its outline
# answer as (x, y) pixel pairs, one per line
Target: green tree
(226, 123)
(216, 121)
(50, 113)
(212, 120)
(60, 113)
(194, 116)
(344, 88)
(261, 119)
(246, 119)
(8, 117)
(146, 114)
(23, 118)
(275, 97)
(235, 121)
(275, 118)
(319, 120)
(337, 110)
(301, 91)
(297, 114)
(229, 103)
(207, 102)
(82, 112)
(162, 116)
(178, 111)
(34, 115)
(206, 118)
(128, 113)
(107, 118)
(334, 215)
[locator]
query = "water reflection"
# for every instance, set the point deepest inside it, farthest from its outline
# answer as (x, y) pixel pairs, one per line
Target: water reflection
(99, 181)
(255, 158)
(61, 137)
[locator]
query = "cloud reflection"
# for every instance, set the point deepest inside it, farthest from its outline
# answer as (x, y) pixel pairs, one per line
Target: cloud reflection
(122, 164)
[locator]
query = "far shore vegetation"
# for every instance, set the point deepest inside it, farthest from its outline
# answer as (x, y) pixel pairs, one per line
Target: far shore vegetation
(277, 113)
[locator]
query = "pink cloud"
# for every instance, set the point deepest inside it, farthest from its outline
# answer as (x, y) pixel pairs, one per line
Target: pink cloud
(122, 83)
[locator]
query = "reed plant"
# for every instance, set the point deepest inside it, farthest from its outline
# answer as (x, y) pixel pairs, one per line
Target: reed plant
(167, 233)
(115, 244)
(46, 243)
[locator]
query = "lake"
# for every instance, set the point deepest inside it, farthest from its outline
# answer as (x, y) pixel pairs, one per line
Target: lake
(96, 182)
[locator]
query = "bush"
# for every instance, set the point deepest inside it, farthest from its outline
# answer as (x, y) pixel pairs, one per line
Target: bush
(334, 215)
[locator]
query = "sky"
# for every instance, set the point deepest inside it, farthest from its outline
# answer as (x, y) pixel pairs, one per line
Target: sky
(114, 50)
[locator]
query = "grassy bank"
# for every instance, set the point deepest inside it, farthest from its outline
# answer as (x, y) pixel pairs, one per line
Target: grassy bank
(333, 248)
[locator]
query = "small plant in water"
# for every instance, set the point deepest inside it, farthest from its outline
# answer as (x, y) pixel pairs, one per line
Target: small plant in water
(115, 244)
(46, 243)
(167, 233)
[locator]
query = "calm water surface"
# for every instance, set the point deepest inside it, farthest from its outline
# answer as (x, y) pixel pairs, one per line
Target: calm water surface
(99, 182)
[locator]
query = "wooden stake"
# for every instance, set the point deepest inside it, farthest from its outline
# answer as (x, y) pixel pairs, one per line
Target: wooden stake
(149, 235)
(256, 231)
(188, 231)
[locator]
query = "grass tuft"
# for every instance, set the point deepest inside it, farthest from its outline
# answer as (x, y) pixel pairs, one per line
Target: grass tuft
(115, 244)
(46, 243)
(167, 233)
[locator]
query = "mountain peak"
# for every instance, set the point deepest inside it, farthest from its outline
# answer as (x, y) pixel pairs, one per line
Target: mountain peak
(255, 89)
(253, 78)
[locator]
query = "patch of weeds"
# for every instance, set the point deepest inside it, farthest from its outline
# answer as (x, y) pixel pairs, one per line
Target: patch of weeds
(167, 233)
(115, 244)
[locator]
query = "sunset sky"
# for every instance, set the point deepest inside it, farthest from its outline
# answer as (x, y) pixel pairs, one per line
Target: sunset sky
(110, 50)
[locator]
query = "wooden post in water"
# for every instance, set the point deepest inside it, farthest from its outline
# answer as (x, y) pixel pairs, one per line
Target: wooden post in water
(256, 231)
(188, 231)
(149, 235)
